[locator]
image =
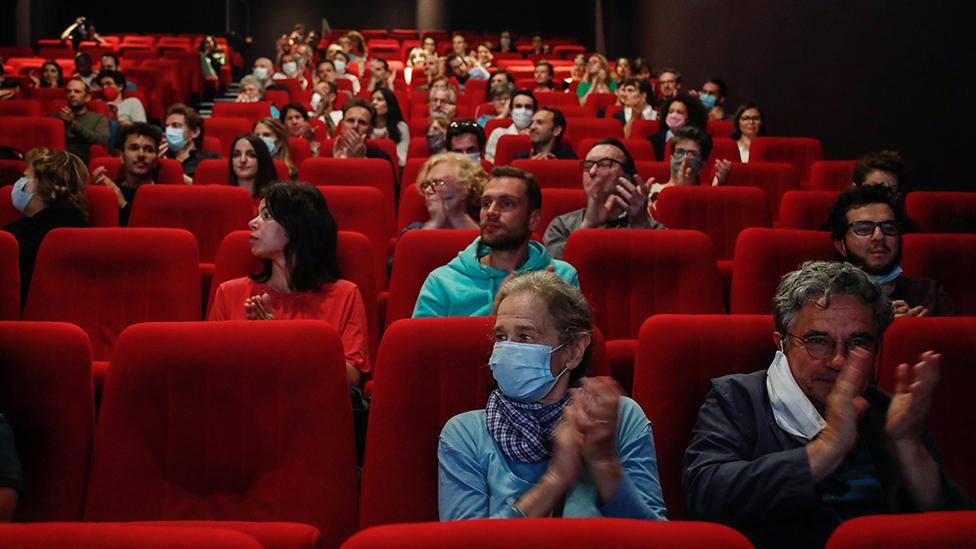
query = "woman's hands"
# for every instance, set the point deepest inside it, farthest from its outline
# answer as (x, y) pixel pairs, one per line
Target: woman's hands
(258, 307)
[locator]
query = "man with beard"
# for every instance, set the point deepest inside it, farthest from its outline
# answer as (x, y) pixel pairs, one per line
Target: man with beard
(866, 224)
(82, 127)
(546, 135)
(511, 208)
(140, 162)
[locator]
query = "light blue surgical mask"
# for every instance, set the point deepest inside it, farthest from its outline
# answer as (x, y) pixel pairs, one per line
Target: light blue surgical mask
(19, 197)
(270, 143)
(175, 138)
(894, 273)
(694, 162)
(474, 157)
(522, 370)
(708, 100)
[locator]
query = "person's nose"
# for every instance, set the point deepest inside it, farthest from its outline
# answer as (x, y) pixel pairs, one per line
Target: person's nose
(253, 224)
(876, 234)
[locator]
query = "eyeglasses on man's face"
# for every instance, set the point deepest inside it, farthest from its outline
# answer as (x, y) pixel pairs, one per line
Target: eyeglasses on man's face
(823, 347)
(866, 228)
(603, 164)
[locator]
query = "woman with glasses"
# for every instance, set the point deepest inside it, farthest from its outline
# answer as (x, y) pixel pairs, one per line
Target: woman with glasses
(451, 185)
(747, 123)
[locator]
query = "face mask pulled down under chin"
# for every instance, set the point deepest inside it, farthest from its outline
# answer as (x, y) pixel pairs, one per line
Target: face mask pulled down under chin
(522, 370)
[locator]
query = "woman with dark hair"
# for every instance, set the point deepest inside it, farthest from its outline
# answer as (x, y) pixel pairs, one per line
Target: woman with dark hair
(747, 123)
(48, 76)
(389, 122)
(251, 166)
(295, 236)
(295, 118)
(506, 42)
(539, 448)
(678, 112)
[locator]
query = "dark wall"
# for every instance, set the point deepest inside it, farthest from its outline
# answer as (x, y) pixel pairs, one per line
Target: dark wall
(50, 17)
(858, 75)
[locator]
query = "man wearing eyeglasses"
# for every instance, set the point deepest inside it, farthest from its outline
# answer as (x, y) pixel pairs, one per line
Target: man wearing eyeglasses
(787, 453)
(866, 224)
(616, 197)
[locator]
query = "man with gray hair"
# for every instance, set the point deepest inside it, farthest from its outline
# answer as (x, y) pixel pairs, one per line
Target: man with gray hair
(788, 453)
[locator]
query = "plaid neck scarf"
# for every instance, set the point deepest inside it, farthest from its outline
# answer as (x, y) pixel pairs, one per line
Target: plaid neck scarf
(522, 430)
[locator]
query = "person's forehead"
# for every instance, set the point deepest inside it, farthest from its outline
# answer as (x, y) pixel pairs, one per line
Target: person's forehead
(666, 77)
(357, 113)
(243, 145)
(139, 140)
(710, 86)
(464, 139)
(176, 118)
(75, 85)
(605, 151)
(542, 116)
(687, 144)
(842, 316)
(443, 169)
(523, 310)
(522, 100)
(880, 176)
(677, 105)
(877, 211)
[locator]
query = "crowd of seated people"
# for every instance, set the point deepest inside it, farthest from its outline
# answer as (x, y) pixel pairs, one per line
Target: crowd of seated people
(784, 455)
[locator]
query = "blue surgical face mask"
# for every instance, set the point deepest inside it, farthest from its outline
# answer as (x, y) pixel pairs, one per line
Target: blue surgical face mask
(708, 100)
(522, 370)
(270, 143)
(175, 138)
(695, 163)
(19, 197)
(474, 157)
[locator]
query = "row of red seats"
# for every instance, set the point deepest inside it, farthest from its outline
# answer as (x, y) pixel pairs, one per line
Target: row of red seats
(184, 401)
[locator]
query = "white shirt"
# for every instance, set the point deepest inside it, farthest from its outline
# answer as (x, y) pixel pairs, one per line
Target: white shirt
(648, 113)
(493, 140)
(743, 152)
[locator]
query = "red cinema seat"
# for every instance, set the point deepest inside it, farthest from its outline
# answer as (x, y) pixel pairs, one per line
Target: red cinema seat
(252, 112)
(244, 439)
(46, 396)
(353, 209)
(10, 273)
(556, 99)
(805, 209)
(720, 212)
(639, 148)
(226, 128)
(103, 206)
(642, 129)
(773, 178)
(953, 337)
(956, 529)
(212, 145)
(577, 111)
(719, 128)
(29, 132)
(84, 535)
(948, 258)
(763, 256)
(556, 202)
(10, 172)
(939, 211)
(299, 150)
(413, 207)
(278, 98)
(21, 107)
(417, 388)
(234, 260)
(552, 534)
(578, 129)
(598, 100)
(660, 171)
(496, 123)
(801, 152)
(417, 148)
(212, 171)
(417, 254)
(104, 280)
(831, 175)
(170, 171)
(46, 96)
(367, 172)
(673, 374)
(508, 145)
(553, 174)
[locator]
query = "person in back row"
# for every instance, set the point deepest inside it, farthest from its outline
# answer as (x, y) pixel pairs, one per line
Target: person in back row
(140, 166)
(184, 139)
(546, 135)
(82, 127)
(522, 107)
(511, 209)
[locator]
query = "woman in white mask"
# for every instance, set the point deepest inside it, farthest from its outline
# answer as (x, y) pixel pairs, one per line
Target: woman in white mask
(275, 137)
(521, 109)
(539, 448)
(51, 194)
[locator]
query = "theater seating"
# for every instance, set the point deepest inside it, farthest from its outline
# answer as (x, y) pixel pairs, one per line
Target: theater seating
(10, 274)
(21, 107)
(46, 397)
(941, 211)
(805, 209)
(244, 439)
(354, 210)
(556, 202)
(412, 207)
(252, 112)
(225, 128)
(369, 172)
(508, 146)
(677, 356)
(29, 132)
(84, 535)
(955, 529)
(948, 258)
(552, 534)
(578, 129)
(660, 171)
(170, 170)
(417, 254)
(831, 175)
(639, 148)
(553, 174)
(801, 152)
(763, 256)
(774, 178)
(299, 150)
(642, 129)
(216, 171)
(103, 206)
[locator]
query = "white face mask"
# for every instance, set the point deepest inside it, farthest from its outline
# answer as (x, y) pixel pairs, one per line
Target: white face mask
(316, 98)
(290, 67)
(261, 73)
(521, 117)
(340, 66)
(793, 411)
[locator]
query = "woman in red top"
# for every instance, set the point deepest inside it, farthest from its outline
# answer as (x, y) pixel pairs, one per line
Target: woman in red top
(295, 235)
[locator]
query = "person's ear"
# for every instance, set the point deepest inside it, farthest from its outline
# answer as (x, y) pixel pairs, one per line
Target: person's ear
(577, 349)
(535, 219)
(841, 248)
(194, 133)
(778, 340)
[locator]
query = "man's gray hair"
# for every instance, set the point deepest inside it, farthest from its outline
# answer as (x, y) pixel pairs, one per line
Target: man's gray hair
(251, 79)
(825, 279)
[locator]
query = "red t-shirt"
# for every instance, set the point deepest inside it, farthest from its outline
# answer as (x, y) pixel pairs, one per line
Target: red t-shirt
(338, 303)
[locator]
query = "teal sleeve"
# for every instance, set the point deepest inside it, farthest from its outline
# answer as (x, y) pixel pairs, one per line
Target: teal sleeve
(431, 300)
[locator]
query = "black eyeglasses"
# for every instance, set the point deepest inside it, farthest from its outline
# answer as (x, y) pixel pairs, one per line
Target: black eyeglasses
(464, 125)
(821, 347)
(604, 163)
(866, 228)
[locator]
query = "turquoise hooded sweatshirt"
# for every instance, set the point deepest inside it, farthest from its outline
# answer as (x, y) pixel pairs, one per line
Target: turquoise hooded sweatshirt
(465, 287)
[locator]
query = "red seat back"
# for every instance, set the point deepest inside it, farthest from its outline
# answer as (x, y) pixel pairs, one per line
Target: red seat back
(10, 172)
(802, 152)
(773, 178)
(21, 107)
(719, 128)
(556, 99)
(252, 112)
(720, 212)
(948, 258)
(639, 148)
(243, 438)
(417, 149)
(933, 529)
(170, 170)
(496, 123)
(660, 171)
(211, 171)
(103, 206)
(299, 150)
(29, 132)
(508, 145)
(938, 211)
(46, 396)
(805, 209)
(831, 175)
(354, 210)
(368, 172)
(681, 265)
(413, 207)
(553, 174)
(226, 129)
(104, 280)
(556, 202)
(578, 129)
(672, 376)
(642, 129)
(763, 256)
(601, 99)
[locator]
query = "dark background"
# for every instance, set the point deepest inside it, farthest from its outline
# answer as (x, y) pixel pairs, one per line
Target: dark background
(858, 75)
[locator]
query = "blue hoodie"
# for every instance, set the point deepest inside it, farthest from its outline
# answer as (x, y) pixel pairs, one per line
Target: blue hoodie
(465, 287)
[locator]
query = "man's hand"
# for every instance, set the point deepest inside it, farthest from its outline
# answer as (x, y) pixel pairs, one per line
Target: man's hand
(902, 309)
(685, 176)
(67, 115)
(350, 144)
(100, 177)
(259, 307)
(914, 387)
(543, 156)
(631, 197)
(844, 406)
(163, 147)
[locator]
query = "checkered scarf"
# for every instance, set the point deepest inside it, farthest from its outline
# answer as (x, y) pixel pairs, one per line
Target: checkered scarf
(522, 430)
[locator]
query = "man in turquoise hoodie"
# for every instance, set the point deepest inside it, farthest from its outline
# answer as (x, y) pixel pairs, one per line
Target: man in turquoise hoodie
(511, 207)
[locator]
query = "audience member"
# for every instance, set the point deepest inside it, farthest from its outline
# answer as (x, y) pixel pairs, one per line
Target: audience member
(466, 137)
(500, 76)
(48, 76)
(788, 453)
(690, 148)
(389, 122)
(866, 225)
(212, 57)
(511, 208)
(110, 62)
(522, 108)
(340, 61)
(263, 69)
(290, 68)
(251, 166)
(9, 89)
(596, 79)
(295, 119)
(623, 70)
(80, 30)
(82, 127)
(668, 83)
(577, 74)
(126, 110)
(539, 47)
(140, 166)
(546, 135)
(295, 236)
(679, 111)
(616, 198)
(459, 45)
(436, 134)
(506, 42)
(451, 184)
(484, 55)
(429, 45)
(501, 100)
(379, 74)
(638, 99)
(543, 75)
(357, 126)
(712, 96)
(880, 168)
(441, 99)
(457, 67)
(416, 64)
(747, 123)
(323, 105)
(51, 194)
(184, 139)
(275, 138)
(84, 70)
(11, 477)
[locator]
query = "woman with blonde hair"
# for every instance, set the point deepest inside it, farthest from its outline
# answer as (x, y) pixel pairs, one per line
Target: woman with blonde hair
(451, 184)
(51, 194)
(275, 137)
(596, 79)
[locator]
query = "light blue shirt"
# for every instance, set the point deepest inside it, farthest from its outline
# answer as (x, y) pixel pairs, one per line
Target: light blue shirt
(476, 480)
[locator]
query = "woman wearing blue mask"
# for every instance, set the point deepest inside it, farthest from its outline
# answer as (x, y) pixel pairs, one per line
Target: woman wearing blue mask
(275, 138)
(539, 448)
(51, 194)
